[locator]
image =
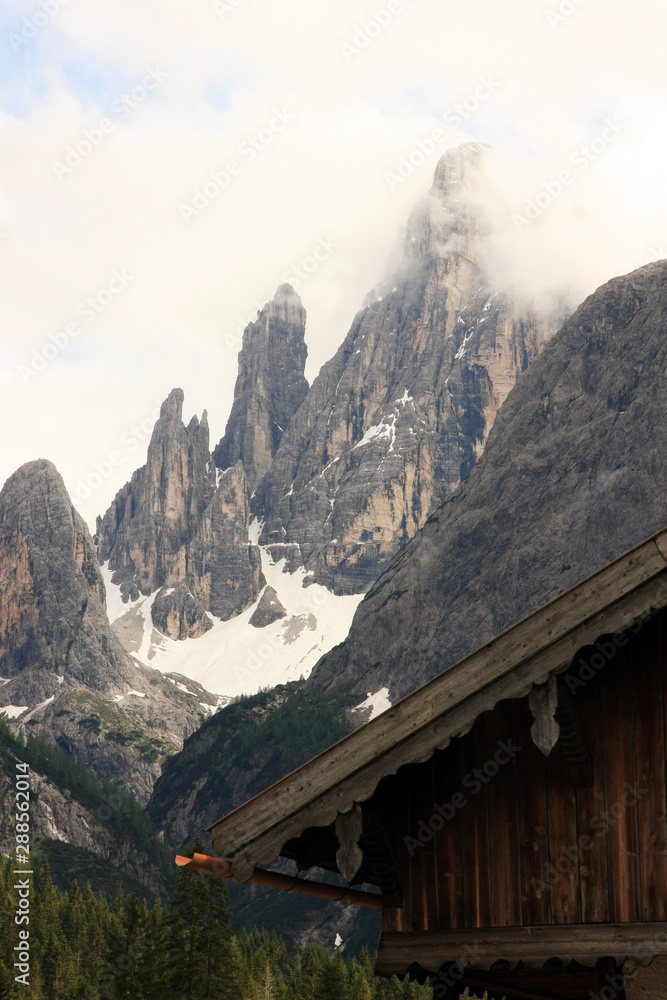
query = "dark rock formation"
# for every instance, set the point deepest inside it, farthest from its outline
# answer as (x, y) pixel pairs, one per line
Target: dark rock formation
(178, 615)
(56, 815)
(401, 413)
(179, 522)
(573, 475)
(270, 385)
(269, 609)
(60, 661)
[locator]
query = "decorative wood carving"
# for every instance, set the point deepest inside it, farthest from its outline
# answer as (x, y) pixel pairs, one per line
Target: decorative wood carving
(348, 830)
(543, 702)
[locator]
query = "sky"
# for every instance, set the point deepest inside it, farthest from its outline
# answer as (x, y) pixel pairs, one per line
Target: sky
(164, 166)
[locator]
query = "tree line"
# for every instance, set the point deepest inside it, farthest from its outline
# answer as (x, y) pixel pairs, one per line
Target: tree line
(83, 948)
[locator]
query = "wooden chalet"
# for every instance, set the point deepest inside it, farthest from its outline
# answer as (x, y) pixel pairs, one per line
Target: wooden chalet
(512, 811)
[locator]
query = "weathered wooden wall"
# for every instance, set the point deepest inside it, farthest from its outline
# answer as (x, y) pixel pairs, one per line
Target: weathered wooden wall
(509, 855)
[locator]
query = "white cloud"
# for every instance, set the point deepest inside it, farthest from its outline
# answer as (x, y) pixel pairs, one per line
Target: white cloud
(321, 177)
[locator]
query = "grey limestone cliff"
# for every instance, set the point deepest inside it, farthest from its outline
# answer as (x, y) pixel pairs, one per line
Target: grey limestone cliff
(401, 413)
(270, 385)
(64, 674)
(180, 522)
(574, 474)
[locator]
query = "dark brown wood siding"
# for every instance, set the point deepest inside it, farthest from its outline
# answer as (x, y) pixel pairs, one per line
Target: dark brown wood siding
(489, 832)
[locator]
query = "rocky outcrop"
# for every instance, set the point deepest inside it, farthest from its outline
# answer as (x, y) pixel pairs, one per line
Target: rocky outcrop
(65, 675)
(178, 615)
(270, 386)
(179, 523)
(222, 568)
(56, 815)
(269, 609)
(144, 531)
(401, 413)
(572, 476)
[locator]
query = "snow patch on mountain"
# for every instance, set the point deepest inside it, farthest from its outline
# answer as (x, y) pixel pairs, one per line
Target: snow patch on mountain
(13, 711)
(234, 657)
(378, 703)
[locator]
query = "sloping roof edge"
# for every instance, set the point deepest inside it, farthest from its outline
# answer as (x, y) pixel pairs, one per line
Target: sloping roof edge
(608, 601)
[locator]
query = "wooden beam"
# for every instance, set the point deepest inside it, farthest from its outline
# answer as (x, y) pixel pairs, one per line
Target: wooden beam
(483, 947)
(288, 883)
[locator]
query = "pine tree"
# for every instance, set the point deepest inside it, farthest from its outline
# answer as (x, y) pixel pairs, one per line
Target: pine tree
(203, 950)
(7, 984)
(331, 983)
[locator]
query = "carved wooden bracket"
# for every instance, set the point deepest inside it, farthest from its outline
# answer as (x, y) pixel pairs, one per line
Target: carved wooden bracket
(349, 855)
(543, 702)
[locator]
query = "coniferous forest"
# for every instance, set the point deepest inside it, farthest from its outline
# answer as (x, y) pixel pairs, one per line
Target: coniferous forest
(83, 948)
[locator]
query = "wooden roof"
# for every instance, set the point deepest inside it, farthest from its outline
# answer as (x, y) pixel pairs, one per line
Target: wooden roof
(607, 602)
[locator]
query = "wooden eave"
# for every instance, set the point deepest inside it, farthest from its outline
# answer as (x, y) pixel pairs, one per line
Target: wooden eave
(607, 602)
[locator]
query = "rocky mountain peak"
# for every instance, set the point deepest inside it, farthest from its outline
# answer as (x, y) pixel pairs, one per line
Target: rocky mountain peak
(172, 408)
(176, 524)
(459, 167)
(153, 516)
(448, 223)
(572, 477)
(270, 385)
(64, 674)
(402, 412)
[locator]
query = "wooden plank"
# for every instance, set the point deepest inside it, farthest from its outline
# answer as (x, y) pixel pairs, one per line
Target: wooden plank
(423, 861)
(620, 783)
(563, 840)
(476, 831)
(350, 770)
(397, 791)
(532, 945)
(648, 676)
(499, 771)
(392, 919)
(450, 796)
(533, 823)
(594, 876)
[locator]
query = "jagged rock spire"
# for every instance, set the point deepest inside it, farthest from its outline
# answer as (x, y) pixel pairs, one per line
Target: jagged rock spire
(270, 385)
